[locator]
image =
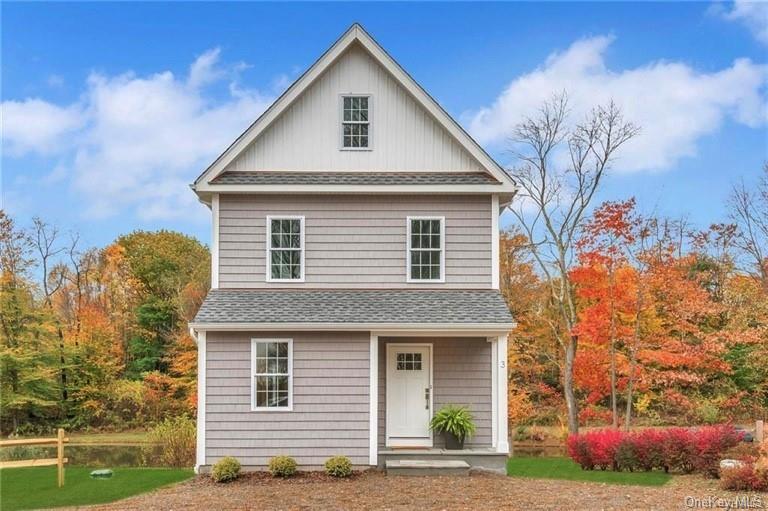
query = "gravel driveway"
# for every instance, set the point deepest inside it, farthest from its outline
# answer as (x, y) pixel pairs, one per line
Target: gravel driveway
(374, 490)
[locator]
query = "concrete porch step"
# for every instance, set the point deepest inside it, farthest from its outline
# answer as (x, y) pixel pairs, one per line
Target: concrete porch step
(415, 467)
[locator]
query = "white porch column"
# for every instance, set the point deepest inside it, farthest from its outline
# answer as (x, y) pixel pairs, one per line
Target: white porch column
(502, 435)
(373, 411)
(201, 348)
(494, 390)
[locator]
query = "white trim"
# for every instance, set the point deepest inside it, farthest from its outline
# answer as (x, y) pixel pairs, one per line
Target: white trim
(215, 241)
(495, 241)
(408, 278)
(502, 443)
(458, 329)
(390, 347)
(373, 401)
(254, 408)
(369, 122)
(354, 34)
(268, 245)
(342, 189)
(494, 389)
(201, 370)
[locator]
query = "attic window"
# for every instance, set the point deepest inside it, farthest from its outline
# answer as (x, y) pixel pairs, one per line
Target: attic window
(356, 122)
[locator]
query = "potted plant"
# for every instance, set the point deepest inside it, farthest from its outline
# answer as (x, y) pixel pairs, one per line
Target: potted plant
(456, 424)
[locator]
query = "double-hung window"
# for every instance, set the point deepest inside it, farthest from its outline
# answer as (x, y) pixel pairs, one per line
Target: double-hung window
(426, 249)
(285, 249)
(272, 368)
(355, 122)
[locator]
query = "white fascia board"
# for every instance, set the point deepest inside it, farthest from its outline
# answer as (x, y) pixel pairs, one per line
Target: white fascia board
(462, 329)
(371, 189)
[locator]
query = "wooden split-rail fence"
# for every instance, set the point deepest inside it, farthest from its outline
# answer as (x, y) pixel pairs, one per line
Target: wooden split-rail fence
(59, 460)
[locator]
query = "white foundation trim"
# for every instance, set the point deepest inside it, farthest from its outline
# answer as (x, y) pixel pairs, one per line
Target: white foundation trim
(201, 347)
(215, 241)
(373, 410)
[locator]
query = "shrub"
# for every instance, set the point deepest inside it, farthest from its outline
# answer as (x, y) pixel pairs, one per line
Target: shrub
(711, 443)
(175, 439)
(338, 466)
(578, 450)
(679, 450)
(649, 448)
(744, 478)
(627, 454)
(282, 466)
(602, 444)
(225, 470)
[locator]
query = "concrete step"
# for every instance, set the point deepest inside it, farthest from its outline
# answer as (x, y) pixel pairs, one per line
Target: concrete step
(413, 467)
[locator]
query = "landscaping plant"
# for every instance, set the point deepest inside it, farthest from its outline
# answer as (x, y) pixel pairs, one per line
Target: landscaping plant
(282, 466)
(338, 466)
(174, 442)
(225, 470)
(454, 420)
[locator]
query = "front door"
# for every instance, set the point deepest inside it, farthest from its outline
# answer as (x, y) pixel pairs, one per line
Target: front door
(409, 395)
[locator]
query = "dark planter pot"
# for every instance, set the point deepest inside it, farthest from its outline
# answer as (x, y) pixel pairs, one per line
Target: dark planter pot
(452, 442)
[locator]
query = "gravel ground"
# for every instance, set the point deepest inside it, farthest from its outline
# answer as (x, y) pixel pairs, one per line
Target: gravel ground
(373, 490)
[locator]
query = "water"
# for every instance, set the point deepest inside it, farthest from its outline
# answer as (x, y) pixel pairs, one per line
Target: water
(96, 456)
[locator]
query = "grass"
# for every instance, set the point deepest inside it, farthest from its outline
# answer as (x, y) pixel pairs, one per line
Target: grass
(35, 487)
(566, 469)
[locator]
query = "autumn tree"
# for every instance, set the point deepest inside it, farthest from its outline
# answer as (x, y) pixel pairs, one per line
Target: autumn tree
(554, 202)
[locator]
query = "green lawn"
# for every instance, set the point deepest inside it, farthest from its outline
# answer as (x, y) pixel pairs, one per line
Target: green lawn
(565, 468)
(35, 487)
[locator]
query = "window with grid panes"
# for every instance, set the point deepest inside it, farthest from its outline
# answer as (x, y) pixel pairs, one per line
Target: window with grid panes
(272, 374)
(356, 122)
(425, 249)
(286, 245)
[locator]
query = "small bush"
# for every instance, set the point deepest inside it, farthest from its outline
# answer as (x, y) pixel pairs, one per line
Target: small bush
(744, 478)
(282, 466)
(338, 466)
(578, 450)
(627, 454)
(175, 441)
(711, 443)
(225, 470)
(649, 448)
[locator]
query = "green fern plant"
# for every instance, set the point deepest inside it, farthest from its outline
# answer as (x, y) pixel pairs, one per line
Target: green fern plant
(455, 420)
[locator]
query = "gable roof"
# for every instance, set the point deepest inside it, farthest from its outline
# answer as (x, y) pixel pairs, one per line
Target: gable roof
(355, 34)
(295, 177)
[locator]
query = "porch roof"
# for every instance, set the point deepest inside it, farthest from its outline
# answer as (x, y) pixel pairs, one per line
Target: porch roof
(347, 307)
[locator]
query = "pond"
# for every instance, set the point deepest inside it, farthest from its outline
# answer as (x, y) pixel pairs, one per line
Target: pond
(96, 456)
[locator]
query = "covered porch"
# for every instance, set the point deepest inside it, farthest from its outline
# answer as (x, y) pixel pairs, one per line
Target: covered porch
(414, 374)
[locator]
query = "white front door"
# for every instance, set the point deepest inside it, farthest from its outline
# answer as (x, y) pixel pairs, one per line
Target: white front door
(409, 395)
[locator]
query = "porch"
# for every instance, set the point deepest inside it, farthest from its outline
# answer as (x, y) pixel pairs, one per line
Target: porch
(416, 374)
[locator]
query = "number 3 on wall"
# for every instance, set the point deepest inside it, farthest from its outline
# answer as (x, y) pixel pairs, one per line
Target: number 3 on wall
(502, 364)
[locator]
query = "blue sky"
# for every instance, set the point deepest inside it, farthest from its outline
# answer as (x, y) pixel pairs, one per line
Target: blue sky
(110, 110)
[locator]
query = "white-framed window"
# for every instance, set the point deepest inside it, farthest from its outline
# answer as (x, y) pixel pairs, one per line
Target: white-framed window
(426, 249)
(271, 374)
(356, 122)
(285, 249)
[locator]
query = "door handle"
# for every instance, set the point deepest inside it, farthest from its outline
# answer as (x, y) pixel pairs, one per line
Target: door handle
(426, 396)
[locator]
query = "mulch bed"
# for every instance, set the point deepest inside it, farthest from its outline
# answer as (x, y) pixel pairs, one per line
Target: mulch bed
(372, 489)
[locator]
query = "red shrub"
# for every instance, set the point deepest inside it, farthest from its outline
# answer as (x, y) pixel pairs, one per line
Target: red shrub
(649, 448)
(744, 478)
(679, 450)
(603, 444)
(578, 450)
(711, 443)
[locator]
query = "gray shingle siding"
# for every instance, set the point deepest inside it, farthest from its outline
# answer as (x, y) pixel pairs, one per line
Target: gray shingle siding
(339, 306)
(354, 178)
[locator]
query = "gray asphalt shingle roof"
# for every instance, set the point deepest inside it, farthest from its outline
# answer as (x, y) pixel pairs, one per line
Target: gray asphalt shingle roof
(391, 306)
(354, 178)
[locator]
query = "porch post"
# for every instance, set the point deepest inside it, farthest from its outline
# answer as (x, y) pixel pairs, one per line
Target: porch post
(373, 400)
(494, 390)
(502, 442)
(201, 365)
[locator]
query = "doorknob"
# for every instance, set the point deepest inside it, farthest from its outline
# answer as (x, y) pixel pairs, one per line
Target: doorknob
(426, 396)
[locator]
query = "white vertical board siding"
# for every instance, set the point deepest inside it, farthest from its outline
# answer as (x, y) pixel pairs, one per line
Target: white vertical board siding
(404, 136)
(461, 376)
(355, 241)
(330, 413)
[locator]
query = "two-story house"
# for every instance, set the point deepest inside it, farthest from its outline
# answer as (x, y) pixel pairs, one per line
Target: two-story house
(355, 278)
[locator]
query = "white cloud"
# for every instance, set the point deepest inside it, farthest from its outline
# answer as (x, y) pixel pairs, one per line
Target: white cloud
(754, 15)
(136, 142)
(674, 104)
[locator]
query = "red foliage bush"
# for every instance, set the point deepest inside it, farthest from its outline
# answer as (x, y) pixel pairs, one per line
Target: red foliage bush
(744, 478)
(676, 449)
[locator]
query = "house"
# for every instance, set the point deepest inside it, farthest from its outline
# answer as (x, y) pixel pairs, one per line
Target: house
(355, 278)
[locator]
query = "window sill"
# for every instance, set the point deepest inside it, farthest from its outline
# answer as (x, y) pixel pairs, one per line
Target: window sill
(273, 409)
(285, 281)
(356, 149)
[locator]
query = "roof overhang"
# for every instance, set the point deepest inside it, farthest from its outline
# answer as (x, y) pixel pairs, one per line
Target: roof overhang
(420, 189)
(462, 329)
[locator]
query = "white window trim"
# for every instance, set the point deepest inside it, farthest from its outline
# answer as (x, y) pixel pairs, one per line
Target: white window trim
(341, 121)
(268, 244)
(408, 278)
(255, 408)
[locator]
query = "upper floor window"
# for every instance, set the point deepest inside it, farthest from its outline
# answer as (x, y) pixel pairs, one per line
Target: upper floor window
(355, 122)
(285, 249)
(426, 249)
